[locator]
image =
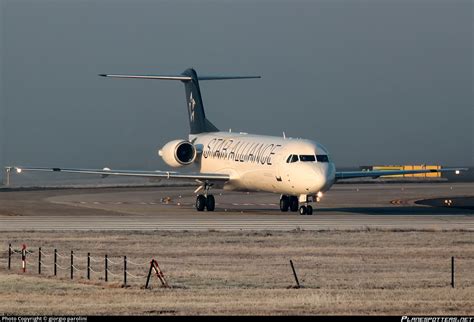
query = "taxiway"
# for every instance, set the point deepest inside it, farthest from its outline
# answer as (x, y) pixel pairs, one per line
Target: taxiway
(345, 207)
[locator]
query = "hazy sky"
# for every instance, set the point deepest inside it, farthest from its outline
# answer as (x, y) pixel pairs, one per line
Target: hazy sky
(376, 82)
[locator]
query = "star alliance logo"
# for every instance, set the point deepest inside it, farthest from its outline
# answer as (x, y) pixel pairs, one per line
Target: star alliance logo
(192, 104)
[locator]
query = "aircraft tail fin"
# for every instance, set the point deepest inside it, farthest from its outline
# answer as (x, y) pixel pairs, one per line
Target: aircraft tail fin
(198, 122)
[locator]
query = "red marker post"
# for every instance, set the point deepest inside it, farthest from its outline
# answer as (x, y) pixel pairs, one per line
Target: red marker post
(23, 258)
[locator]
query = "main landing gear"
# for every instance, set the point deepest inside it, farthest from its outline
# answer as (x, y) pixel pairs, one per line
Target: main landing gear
(291, 203)
(288, 202)
(205, 201)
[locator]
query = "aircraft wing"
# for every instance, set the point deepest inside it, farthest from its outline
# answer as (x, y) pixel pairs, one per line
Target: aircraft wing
(378, 173)
(133, 173)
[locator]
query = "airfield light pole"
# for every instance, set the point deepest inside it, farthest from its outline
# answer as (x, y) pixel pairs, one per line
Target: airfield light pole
(7, 176)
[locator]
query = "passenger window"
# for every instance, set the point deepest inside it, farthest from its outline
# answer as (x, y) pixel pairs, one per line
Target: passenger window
(307, 158)
(322, 158)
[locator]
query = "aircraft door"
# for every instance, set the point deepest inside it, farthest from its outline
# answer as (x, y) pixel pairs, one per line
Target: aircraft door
(280, 169)
(285, 167)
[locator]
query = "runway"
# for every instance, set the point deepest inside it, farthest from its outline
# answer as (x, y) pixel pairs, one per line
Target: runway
(345, 207)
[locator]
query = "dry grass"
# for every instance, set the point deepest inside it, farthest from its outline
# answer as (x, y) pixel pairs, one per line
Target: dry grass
(367, 272)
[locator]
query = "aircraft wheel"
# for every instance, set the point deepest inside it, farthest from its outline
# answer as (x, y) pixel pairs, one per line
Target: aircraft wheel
(210, 203)
(293, 203)
(200, 203)
(303, 210)
(284, 203)
(309, 210)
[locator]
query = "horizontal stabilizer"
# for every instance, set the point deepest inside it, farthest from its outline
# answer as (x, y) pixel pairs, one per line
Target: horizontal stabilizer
(177, 77)
(169, 77)
(197, 119)
(200, 77)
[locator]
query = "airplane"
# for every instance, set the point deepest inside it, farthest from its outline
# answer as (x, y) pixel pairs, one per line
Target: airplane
(300, 170)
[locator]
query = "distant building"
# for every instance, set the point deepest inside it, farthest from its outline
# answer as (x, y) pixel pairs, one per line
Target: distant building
(406, 167)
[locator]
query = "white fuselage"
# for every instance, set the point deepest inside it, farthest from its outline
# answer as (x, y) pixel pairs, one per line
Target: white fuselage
(264, 163)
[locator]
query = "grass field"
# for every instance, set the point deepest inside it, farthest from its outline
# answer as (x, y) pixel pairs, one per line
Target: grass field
(342, 272)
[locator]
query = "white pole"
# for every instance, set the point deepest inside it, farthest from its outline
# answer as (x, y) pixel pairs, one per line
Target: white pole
(3, 112)
(7, 176)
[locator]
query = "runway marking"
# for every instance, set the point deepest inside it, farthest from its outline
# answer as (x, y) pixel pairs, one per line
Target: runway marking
(231, 223)
(399, 202)
(253, 204)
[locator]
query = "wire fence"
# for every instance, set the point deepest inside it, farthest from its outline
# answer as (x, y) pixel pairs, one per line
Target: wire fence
(115, 269)
(60, 267)
(44, 265)
(113, 274)
(61, 256)
(52, 262)
(45, 254)
(137, 264)
(111, 261)
(79, 258)
(134, 276)
(95, 260)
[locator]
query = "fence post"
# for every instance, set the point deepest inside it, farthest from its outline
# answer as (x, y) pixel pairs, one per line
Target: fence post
(23, 258)
(125, 271)
(149, 274)
(9, 256)
(106, 269)
(72, 264)
(55, 262)
(452, 271)
(39, 260)
(294, 273)
(88, 266)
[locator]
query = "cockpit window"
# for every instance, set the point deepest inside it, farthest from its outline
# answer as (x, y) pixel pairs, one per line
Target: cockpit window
(322, 158)
(292, 158)
(307, 158)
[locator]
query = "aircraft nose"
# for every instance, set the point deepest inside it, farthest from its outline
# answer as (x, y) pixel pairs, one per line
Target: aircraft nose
(327, 174)
(321, 180)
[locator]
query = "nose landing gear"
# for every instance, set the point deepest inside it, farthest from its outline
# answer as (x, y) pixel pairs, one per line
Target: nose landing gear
(292, 203)
(306, 210)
